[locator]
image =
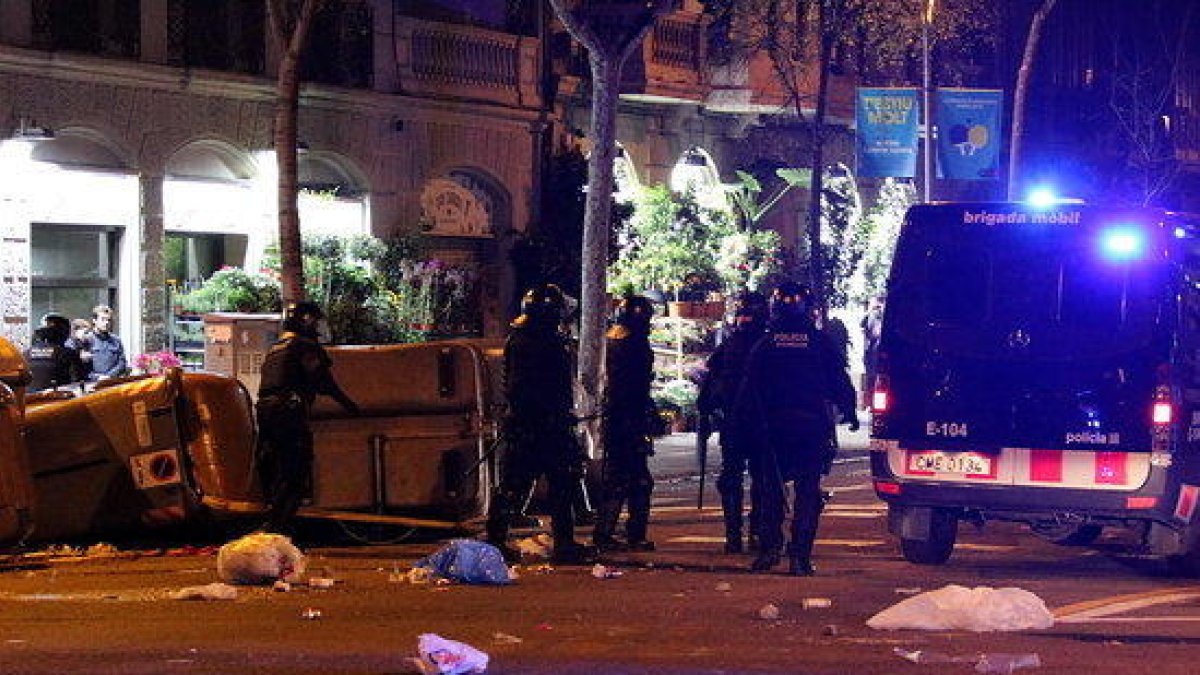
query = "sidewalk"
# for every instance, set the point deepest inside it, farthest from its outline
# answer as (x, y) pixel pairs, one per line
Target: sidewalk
(675, 454)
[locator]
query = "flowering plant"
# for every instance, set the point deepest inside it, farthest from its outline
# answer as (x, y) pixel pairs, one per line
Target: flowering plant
(156, 362)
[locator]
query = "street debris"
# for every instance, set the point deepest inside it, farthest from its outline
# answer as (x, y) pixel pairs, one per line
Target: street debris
(980, 609)
(320, 582)
(984, 663)
(260, 558)
(724, 587)
(816, 603)
(281, 586)
(310, 614)
(448, 657)
(768, 612)
(830, 631)
(603, 572)
(213, 591)
(469, 562)
(538, 546)
(506, 639)
(1006, 663)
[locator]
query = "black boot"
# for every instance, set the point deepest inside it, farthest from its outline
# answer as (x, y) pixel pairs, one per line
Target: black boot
(733, 542)
(573, 553)
(801, 567)
(765, 561)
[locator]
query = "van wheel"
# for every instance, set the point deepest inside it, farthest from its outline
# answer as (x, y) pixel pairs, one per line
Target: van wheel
(1067, 534)
(943, 530)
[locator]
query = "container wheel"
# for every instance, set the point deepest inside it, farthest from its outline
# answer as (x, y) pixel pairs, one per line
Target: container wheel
(1067, 534)
(943, 530)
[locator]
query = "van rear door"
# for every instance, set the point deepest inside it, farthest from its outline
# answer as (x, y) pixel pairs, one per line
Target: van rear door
(1008, 333)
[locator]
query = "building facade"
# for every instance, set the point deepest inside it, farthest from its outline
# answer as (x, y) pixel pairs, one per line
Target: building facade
(138, 145)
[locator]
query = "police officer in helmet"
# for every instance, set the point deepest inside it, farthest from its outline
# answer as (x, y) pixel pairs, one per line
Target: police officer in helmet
(795, 380)
(628, 424)
(725, 369)
(52, 362)
(295, 371)
(539, 426)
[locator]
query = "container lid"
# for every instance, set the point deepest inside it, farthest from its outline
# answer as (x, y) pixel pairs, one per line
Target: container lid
(13, 370)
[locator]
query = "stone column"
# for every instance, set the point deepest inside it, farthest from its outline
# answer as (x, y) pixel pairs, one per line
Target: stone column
(154, 39)
(16, 22)
(154, 280)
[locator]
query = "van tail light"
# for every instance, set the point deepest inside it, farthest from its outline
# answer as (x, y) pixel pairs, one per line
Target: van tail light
(881, 398)
(1163, 412)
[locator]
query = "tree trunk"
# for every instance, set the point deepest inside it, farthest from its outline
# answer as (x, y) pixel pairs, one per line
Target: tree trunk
(817, 153)
(287, 108)
(1023, 74)
(606, 83)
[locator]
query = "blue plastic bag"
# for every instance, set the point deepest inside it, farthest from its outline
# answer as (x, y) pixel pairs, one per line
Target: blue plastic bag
(469, 562)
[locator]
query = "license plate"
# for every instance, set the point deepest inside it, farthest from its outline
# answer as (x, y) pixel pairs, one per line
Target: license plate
(932, 462)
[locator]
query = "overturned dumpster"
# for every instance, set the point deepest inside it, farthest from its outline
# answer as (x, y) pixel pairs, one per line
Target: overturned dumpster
(16, 489)
(146, 453)
(417, 454)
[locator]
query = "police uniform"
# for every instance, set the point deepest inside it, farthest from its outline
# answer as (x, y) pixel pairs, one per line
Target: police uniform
(628, 415)
(294, 371)
(726, 369)
(539, 427)
(51, 362)
(793, 375)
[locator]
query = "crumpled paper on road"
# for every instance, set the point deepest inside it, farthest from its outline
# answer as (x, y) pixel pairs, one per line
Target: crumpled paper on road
(260, 558)
(448, 657)
(980, 609)
(213, 591)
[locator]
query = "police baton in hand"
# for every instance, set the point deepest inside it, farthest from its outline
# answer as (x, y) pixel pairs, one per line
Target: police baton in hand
(703, 431)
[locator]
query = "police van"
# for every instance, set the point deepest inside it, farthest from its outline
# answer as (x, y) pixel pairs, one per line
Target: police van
(1040, 365)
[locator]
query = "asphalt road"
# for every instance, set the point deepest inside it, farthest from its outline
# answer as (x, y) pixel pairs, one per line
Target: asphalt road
(684, 609)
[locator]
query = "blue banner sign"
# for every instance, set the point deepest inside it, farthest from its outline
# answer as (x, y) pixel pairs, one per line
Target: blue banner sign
(887, 132)
(968, 141)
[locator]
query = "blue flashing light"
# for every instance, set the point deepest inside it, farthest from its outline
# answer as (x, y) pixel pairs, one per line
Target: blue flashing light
(1121, 244)
(1180, 233)
(1042, 198)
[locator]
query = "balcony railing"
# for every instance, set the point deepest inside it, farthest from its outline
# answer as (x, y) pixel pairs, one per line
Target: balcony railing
(466, 62)
(678, 44)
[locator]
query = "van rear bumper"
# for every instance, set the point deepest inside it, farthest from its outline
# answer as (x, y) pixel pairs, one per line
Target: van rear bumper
(1156, 500)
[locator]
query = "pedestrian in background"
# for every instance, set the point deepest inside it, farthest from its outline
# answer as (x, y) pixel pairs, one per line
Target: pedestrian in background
(628, 422)
(793, 378)
(540, 426)
(106, 350)
(725, 369)
(295, 370)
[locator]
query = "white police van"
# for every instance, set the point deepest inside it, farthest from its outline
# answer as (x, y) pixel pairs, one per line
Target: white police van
(1040, 365)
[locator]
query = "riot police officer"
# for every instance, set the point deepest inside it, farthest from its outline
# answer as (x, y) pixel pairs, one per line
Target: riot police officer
(628, 418)
(52, 362)
(295, 370)
(793, 378)
(540, 426)
(725, 370)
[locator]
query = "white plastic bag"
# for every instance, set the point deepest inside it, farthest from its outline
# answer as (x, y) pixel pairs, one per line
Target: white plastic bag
(439, 655)
(979, 609)
(260, 559)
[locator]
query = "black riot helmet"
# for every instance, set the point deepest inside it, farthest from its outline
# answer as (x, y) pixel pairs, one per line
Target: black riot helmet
(57, 327)
(542, 306)
(750, 310)
(302, 318)
(790, 300)
(634, 312)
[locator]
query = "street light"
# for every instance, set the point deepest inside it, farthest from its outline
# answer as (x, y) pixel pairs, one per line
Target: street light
(926, 95)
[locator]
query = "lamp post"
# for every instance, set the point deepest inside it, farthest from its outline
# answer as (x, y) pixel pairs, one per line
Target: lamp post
(926, 99)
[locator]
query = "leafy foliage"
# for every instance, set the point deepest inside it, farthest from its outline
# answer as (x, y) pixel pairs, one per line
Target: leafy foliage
(669, 239)
(233, 289)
